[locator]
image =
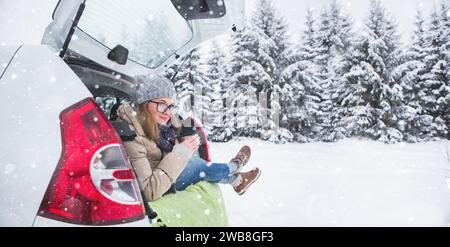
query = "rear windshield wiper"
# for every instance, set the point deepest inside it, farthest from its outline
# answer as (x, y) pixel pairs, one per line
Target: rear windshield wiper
(72, 29)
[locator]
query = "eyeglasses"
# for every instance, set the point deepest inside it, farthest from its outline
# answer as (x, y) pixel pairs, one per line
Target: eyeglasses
(162, 107)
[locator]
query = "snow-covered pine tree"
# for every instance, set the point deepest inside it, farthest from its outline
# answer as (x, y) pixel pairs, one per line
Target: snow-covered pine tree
(249, 66)
(333, 40)
(445, 104)
(272, 27)
(306, 49)
(411, 120)
(299, 97)
(434, 89)
(366, 94)
(273, 40)
(220, 127)
(191, 84)
(180, 75)
(423, 79)
(444, 100)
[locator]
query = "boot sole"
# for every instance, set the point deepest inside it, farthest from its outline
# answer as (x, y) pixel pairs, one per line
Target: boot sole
(248, 185)
(248, 158)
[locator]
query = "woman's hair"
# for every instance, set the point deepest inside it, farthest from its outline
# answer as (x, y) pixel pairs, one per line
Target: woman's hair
(150, 126)
(147, 122)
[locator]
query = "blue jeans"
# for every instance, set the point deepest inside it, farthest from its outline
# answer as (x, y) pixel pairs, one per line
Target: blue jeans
(198, 169)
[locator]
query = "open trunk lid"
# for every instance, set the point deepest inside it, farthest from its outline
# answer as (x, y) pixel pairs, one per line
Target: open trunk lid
(97, 35)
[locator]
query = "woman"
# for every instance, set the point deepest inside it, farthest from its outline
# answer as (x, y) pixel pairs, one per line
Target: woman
(162, 163)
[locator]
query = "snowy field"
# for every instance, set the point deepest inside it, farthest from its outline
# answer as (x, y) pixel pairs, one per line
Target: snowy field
(349, 183)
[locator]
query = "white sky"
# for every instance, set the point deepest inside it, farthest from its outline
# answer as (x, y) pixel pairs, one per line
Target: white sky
(403, 10)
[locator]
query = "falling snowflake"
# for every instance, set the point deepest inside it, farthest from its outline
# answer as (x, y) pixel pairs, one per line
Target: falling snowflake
(178, 216)
(207, 211)
(9, 168)
(448, 13)
(118, 76)
(151, 17)
(219, 3)
(202, 174)
(13, 76)
(52, 79)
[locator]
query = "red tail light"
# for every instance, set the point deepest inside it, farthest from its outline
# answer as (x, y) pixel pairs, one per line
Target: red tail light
(93, 183)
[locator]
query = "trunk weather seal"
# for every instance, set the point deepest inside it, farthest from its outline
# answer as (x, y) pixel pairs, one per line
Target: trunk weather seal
(10, 61)
(54, 11)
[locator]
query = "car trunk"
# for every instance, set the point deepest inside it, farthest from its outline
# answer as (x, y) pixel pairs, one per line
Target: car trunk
(101, 44)
(111, 83)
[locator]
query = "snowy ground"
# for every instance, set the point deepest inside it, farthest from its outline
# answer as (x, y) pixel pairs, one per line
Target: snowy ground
(349, 183)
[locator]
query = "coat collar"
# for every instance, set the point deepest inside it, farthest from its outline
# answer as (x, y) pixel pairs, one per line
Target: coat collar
(128, 114)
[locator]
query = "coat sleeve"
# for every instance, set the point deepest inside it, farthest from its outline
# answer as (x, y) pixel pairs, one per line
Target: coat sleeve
(157, 181)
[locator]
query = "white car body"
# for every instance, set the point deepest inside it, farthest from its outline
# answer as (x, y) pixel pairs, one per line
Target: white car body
(36, 85)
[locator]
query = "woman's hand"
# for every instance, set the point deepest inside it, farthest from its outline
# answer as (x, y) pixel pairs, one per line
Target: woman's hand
(191, 143)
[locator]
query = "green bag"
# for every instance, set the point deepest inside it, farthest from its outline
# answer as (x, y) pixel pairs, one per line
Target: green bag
(200, 205)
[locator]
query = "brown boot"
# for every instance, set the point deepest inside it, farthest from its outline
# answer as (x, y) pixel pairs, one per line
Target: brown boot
(245, 179)
(242, 157)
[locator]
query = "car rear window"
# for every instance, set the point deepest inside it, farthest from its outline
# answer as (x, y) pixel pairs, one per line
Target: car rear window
(152, 31)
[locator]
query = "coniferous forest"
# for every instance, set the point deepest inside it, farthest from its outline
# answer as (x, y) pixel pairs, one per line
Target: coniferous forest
(337, 81)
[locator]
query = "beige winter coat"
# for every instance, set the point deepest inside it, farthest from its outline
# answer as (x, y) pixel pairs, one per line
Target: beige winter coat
(155, 173)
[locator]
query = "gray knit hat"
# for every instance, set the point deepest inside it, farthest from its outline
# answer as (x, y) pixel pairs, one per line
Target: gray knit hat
(153, 86)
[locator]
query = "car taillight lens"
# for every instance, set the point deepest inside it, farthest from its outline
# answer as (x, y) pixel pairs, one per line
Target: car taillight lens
(93, 183)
